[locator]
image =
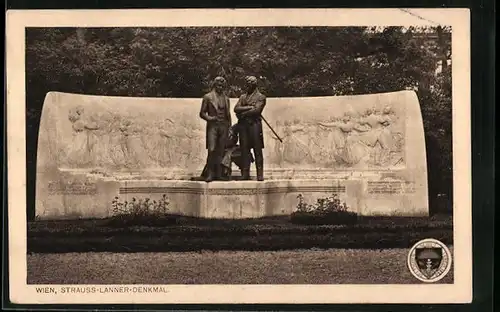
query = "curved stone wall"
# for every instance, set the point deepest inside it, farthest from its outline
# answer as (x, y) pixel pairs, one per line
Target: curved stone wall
(86, 142)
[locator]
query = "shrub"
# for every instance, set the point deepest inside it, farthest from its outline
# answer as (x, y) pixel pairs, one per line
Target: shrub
(329, 210)
(141, 212)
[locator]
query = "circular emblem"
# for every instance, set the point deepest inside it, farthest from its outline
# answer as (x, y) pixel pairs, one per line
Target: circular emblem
(429, 260)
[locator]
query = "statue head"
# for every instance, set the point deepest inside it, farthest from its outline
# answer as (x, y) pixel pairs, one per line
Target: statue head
(387, 110)
(251, 83)
(219, 84)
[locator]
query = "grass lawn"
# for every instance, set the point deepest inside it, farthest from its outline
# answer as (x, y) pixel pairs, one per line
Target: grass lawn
(330, 266)
(195, 234)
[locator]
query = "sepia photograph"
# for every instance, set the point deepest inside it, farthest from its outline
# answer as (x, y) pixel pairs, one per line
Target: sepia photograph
(224, 154)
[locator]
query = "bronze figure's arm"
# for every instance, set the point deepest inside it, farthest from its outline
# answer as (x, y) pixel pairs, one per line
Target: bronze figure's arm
(257, 110)
(240, 108)
(204, 111)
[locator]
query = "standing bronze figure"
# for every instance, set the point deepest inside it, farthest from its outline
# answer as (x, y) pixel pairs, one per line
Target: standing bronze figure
(215, 110)
(248, 110)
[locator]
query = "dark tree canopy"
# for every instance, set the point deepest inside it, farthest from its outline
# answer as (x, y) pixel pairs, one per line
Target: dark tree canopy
(290, 61)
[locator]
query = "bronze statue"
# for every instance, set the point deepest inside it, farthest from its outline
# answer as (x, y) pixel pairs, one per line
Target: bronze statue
(215, 110)
(248, 111)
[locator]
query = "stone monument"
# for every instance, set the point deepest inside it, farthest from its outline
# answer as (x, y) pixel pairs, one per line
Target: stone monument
(369, 149)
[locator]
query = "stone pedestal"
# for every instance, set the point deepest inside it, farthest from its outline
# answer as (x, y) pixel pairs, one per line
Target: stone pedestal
(92, 198)
(369, 149)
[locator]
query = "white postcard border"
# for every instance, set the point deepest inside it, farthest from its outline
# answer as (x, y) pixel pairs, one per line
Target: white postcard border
(459, 19)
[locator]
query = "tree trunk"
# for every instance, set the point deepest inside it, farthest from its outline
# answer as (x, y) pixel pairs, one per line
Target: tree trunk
(80, 35)
(442, 48)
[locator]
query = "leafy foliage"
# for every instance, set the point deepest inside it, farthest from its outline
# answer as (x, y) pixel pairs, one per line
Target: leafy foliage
(140, 207)
(291, 61)
(328, 210)
(141, 212)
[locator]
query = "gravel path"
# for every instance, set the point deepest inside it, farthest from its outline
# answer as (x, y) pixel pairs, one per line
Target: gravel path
(333, 266)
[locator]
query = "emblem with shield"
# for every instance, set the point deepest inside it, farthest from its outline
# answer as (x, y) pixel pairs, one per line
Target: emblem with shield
(429, 260)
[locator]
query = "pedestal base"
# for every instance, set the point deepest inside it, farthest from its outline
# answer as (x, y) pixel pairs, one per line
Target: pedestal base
(84, 197)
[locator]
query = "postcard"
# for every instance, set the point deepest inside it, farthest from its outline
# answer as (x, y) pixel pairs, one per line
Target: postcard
(239, 156)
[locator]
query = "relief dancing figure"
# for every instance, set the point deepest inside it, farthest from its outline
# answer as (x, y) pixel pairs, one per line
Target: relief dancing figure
(379, 137)
(335, 138)
(354, 149)
(84, 138)
(295, 150)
